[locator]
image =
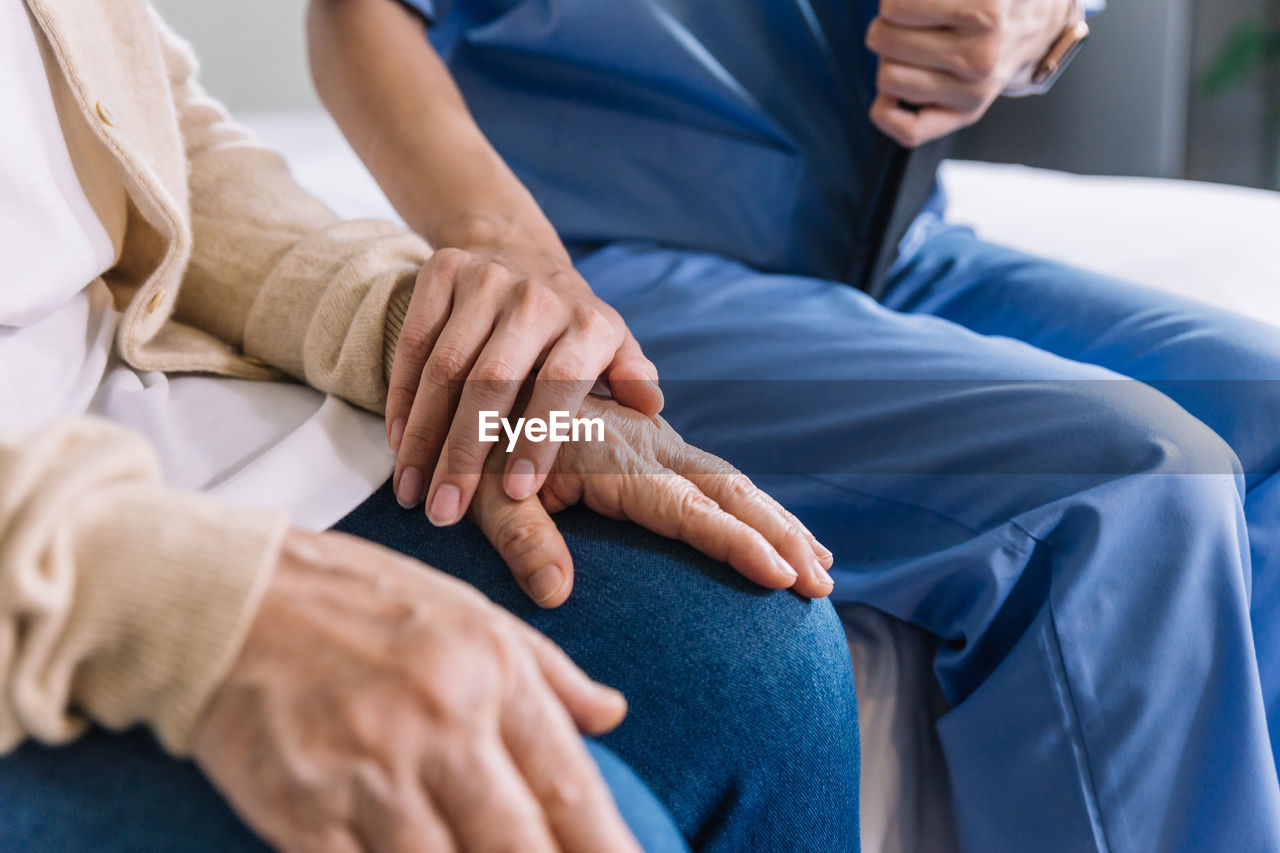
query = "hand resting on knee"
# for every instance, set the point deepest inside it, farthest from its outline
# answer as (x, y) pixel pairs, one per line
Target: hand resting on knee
(644, 472)
(379, 704)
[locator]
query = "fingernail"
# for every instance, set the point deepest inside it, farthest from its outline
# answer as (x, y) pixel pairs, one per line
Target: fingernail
(822, 575)
(397, 434)
(785, 568)
(520, 480)
(545, 583)
(822, 551)
(409, 494)
(617, 697)
(444, 508)
(662, 398)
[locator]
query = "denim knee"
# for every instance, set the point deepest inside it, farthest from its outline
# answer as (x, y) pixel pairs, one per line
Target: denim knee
(741, 699)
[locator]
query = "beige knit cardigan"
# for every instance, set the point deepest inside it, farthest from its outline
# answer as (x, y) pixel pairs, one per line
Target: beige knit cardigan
(123, 601)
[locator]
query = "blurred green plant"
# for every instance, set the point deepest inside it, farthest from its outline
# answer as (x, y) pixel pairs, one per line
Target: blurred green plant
(1252, 48)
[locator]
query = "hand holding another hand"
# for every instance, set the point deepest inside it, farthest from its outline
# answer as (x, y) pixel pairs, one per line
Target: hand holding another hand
(480, 321)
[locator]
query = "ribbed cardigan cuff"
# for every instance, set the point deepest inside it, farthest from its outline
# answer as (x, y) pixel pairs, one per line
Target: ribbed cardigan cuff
(397, 310)
(173, 583)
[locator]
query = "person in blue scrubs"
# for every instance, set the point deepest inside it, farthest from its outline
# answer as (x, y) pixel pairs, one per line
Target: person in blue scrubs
(1068, 481)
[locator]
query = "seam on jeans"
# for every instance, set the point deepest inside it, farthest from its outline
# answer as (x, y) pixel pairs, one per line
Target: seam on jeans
(1066, 700)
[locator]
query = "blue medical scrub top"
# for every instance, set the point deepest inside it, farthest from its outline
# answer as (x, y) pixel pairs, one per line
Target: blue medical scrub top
(731, 126)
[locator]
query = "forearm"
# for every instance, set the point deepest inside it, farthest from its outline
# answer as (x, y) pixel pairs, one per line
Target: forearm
(398, 105)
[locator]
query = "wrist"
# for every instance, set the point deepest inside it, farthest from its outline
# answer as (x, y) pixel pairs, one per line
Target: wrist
(489, 233)
(1056, 41)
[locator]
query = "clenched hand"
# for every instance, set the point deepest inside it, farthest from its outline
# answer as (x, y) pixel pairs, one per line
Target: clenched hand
(943, 63)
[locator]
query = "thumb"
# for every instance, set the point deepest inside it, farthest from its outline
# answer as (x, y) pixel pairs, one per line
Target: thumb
(633, 379)
(527, 539)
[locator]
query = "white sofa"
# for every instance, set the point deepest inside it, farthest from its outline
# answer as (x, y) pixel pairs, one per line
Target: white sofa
(1210, 242)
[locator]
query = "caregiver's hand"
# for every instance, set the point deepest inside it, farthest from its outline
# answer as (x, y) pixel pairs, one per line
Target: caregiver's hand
(644, 472)
(951, 59)
(381, 705)
(493, 315)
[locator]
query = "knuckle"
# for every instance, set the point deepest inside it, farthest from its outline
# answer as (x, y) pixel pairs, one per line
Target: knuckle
(564, 370)
(493, 276)
(494, 374)
(691, 503)
(518, 537)
(466, 455)
(532, 297)
(983, 60)
(983, 16)
(911, 135)
(421, 435)
(446, 364)
(792, 537)
(742, 489)
(415, 338)
(890, 80)
(896, 10)
(588, 320)
(568, 786)
(400, 398)
(449, 257)
(875, 37)
(970, 99)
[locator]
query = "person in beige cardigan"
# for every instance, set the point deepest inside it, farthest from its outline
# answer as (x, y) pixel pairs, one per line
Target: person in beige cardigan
(341, 696)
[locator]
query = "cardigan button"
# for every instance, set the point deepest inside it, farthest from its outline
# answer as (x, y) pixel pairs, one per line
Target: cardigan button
(156, 299)
(105, 114)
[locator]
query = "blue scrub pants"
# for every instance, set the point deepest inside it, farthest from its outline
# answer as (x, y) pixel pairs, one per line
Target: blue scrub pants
(1064, 479)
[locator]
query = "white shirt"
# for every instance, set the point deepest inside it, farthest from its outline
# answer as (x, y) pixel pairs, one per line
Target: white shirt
(62, 217)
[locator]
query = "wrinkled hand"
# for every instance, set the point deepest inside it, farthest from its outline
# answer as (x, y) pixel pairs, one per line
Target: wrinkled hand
(943, 63)
(492, 316)
(381, 705)
(644, 472)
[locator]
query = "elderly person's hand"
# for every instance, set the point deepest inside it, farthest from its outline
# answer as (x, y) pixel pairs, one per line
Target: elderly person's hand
(644, 472)
(381, 705)
(944, 62)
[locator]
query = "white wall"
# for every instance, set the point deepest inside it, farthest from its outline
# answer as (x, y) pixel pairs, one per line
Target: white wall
(252, 52)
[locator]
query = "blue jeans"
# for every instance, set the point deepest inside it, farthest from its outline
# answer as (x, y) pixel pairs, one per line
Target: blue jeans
(120, 792)
(742, 717)
(1068, 481)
